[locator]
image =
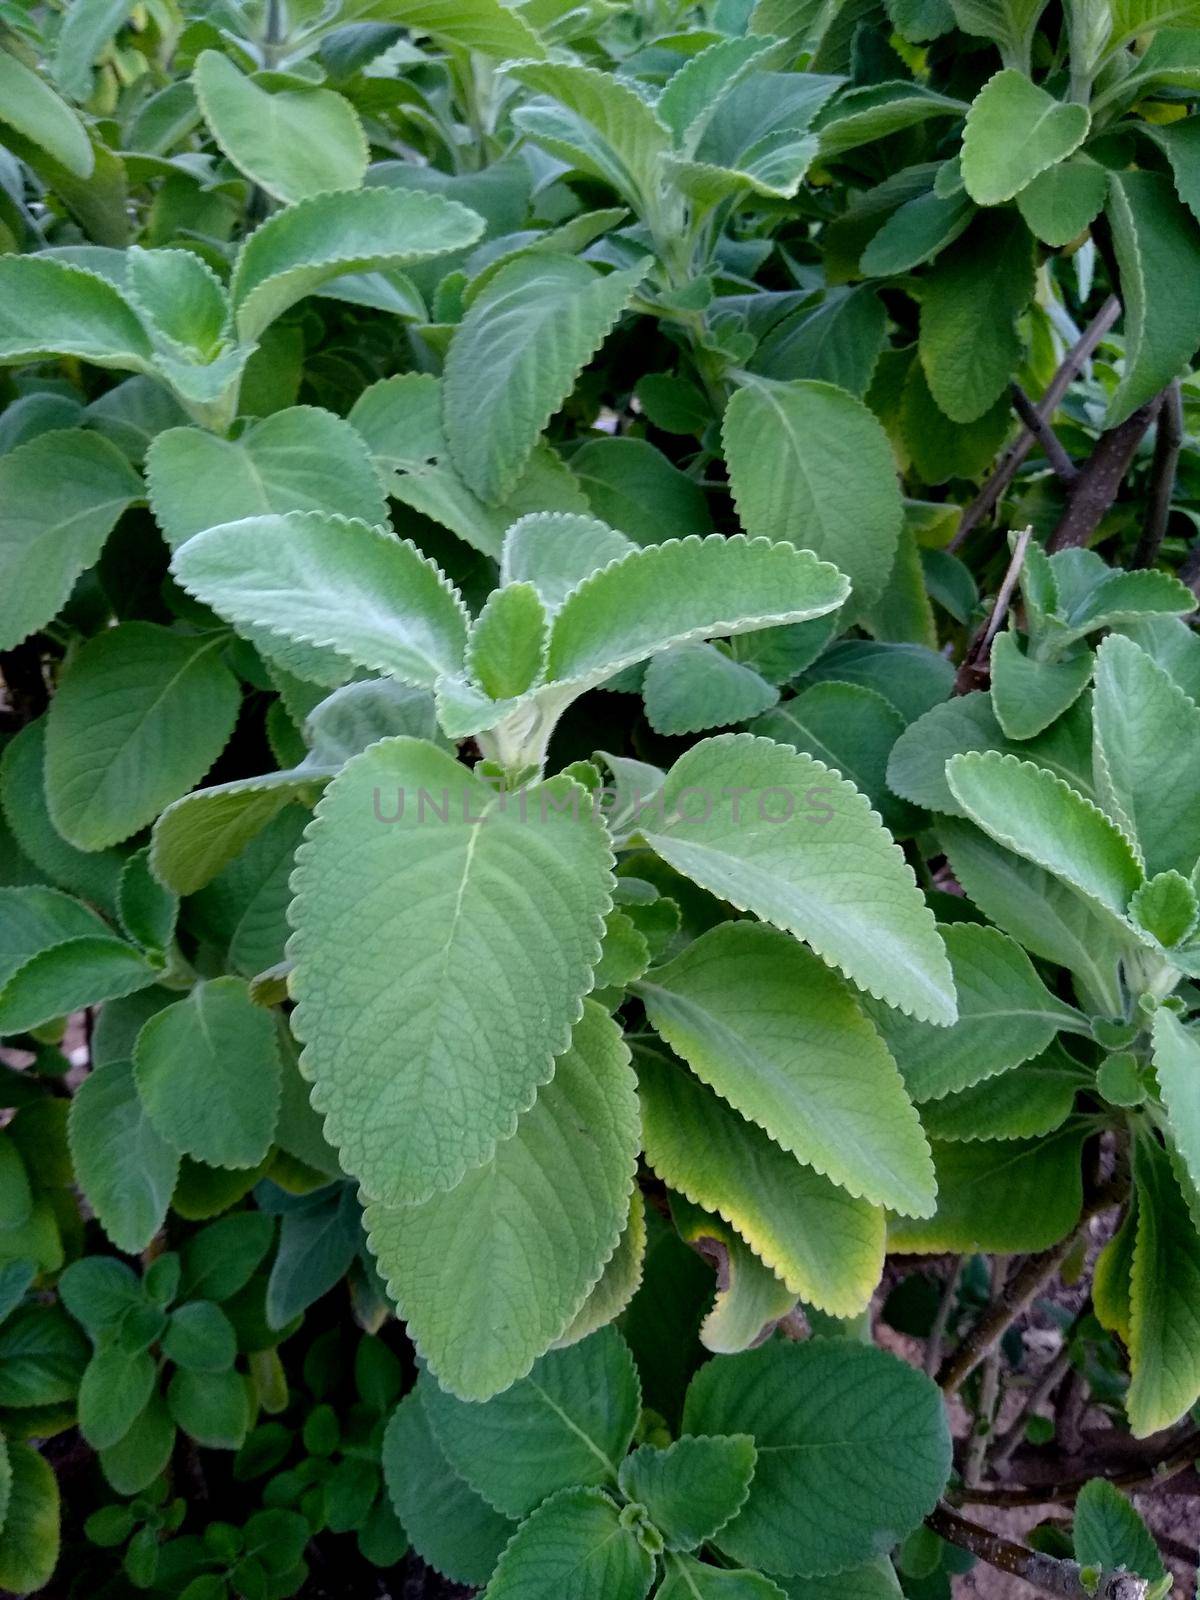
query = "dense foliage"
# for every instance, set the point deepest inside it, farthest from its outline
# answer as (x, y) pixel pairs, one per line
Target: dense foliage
(533, 769)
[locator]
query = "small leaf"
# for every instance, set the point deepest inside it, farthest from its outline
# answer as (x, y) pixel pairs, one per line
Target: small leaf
(200, 1337)
(516, 356)
(1064, 200)
(1027, 694)
(555, 552)
(207, 1069)
(506, 649)
(696, 686)
(112, 1393)
(125, 1168)
(693, 1488)
(29, 1540)
(292, 142)
(211, 1407)
(1165, 907)
(853, 1451)
(33, 109)
(1109, 1533)
(809, 463)
(1164, 1351)
(575, 1546)
(1015, 130)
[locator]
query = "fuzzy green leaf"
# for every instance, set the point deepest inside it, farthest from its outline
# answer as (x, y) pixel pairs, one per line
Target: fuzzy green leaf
(687, 1579)
(575, 1546)
(50, 308)
(1164, 1334)
(1013, 131)
(125, 1168)
(1028, 695)
(1062, 201)
(33, 109)
(693, 1488)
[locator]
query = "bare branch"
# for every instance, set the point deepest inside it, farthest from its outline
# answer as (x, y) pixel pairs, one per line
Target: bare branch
(1048, 1573)
(1100, 478)
(1167, 446)
(975, 664)
(1064, 467)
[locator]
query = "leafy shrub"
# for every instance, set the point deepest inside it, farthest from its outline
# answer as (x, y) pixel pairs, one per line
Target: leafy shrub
(531, 770)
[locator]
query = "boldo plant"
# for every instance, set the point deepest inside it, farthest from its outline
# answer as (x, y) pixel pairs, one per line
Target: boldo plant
(599, 798)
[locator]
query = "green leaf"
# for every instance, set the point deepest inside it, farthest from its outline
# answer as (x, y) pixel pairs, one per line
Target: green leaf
(672, 593)
(1003, 1195)
(875, 1581)
(220, 1259)
(617, 1284)
(633, 486)
(1165, 907)
(42, 1355)
(1164, 1340)
(69, 976)
(318, 1241)
(569, 1422)
(48, 308)
(750, 1300)
(125, 1168)
(1028, 695)
(853, 1451)
(917, 232)
(99, 1292)
(140, 715)
(207, 1069)
(33, 109)
(488, 26)
(632, 140)
(451, 1527)
(132, 1465)
(1011, 23)
(1147, 734)
(200, 1337)
(1154, 238)
(88, 28)
(694, 93)
(1030, 1100)
(853, 730)
(576, 1546)
(810, 464)
(61, 495)
(780, 1037)
(1006, 1015)
(298, 250)
(146, 909)
(212, 1408)
(555, 552)
(878, 111)
(468, 931)
(1064, 200)
(691, 1580)
(696, 686)
(968, 360)
(506, 650)
(1035, 813)
(328, 581)
(1177, 1068)
(693, 1488)
(823, 1243)
(300, 459)
(777, 833)
(292, 142)
(202, 833)
(837, 341)
(1015, 130)
(516, 356)
(29, 1540)
(114, 1390)
(501, 1233)
(1109, 1533)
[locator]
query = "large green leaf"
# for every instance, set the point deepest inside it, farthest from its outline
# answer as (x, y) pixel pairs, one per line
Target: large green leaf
(697, 686)
(140, 715)
(780, 1037)
(515, 358)
(29, 1540)
(1042, 818)
(303, 247)
(399, 995)
(1006, 1015)
(853, 1451)
(66, 977)
(692, 1488)
(688, 1579)
(301, 459)
(88, 27)
(570, 1421)
(823, 1243)
(809, 463)
(502, 1238)
(1062, 201)
(33, 109)
(122, 1163)
(576, 1546)
(1164, 1335)
(1014, 130)
(451, 1527)
(777, 833)
(50, 308)
(1011, 23)
(487, 26)
(331, 582)
(1002, 1195)
(292, 142)
(60, 497)
(1154, 237)
(968, 359)
(1147, 754)
(1030, 1100)
(207, 1070)
(1177, 1068)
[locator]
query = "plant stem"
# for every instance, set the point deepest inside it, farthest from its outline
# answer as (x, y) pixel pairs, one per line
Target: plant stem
(1100, 479)
(989, 1392)
(937, 1334)
(1045, 1386)
(1045, 435)
(1010, 462)
(1167, 446)
(1048, 1573)
(975, 664)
